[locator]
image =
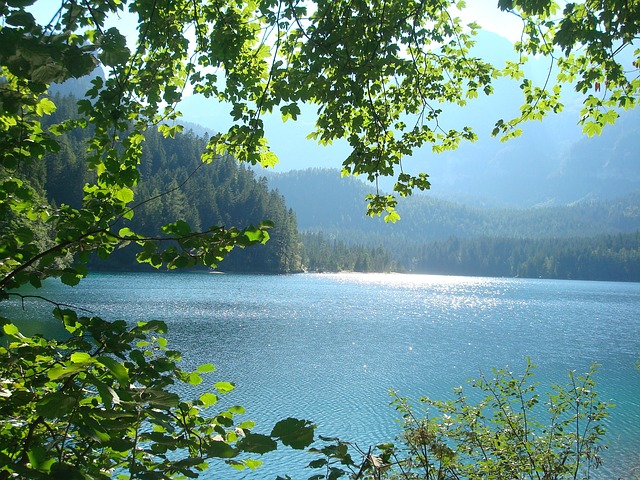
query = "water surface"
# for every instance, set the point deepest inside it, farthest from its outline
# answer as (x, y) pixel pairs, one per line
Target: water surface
(329, 347)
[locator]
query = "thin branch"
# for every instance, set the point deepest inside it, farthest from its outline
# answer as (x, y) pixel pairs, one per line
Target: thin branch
(56, 304)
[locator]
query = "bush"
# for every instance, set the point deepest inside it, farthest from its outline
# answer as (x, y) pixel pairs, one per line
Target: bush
(512, 432)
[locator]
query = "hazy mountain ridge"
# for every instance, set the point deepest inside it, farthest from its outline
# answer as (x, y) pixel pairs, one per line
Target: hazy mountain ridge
(325, 202)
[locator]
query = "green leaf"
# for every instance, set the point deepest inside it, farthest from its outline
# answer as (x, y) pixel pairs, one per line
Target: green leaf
(10, 329)
(81, 357)
(290, 111)
(208, 399)
(126, 232)
(20, 19)
(194, 379)
(269, 160)
(257, 443)
(205, 368)
(70, 277)
(107, 394)
(47, 73)
(257, 236)
(114, 48)
(392, 217)
(60, 371)
(39, 459)
(252, 464)
(221, 449)
(55, 405)
(161, 398)
(224, 387)
(45, 107)
(295, 433)
(116, 368)
(66, 471)
(125, 195)
(319, 463)
(237, 410)
(592, 129)
(20, 3)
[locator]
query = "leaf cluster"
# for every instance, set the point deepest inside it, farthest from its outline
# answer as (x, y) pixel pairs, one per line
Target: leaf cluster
(102, 403)
(590, 47)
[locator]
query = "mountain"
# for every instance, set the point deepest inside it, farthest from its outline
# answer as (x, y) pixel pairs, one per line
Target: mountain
(76, 87)
(541, 169)
(588, 240)
(325, 202)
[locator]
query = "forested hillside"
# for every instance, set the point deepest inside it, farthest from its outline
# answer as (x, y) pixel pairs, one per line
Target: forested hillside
(175, 184)
(605, 257)
(586, 240)
(325, 202)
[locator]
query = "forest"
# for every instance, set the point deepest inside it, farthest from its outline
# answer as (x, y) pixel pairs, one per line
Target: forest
(606, 257)
(594, 240)
(176, 184)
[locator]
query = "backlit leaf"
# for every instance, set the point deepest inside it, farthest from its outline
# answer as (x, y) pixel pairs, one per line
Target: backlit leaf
(208, 399)
(224, 387)
(45, 107)
(10, 329)
(194, 379)
(125, 195)
(205, 368)
(81, 357)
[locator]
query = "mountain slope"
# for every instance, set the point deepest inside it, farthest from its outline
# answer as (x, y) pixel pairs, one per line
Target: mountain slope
(325, 202)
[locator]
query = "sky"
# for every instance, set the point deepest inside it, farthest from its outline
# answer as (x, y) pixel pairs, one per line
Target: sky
(489, 17)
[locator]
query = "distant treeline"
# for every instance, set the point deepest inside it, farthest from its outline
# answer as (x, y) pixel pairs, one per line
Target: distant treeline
(323, 201)
(320, 254)
(605, 257)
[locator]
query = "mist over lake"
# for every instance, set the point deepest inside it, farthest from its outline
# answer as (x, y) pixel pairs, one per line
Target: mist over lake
(329, 347)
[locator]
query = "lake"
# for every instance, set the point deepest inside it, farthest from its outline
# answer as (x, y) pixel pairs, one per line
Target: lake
(329, 347)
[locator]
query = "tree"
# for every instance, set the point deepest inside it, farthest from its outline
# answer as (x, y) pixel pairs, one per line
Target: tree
(381, 74)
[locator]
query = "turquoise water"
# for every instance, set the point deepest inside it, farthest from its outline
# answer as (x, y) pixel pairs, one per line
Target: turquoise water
(329, 347)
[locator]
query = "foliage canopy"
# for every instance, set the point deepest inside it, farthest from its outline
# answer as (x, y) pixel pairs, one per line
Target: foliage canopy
(381, 73)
